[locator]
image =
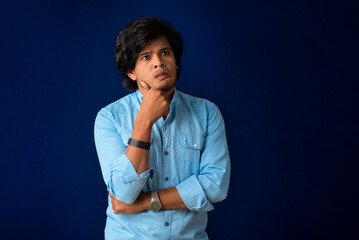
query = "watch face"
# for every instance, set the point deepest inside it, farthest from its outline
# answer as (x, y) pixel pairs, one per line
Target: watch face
(155, 206)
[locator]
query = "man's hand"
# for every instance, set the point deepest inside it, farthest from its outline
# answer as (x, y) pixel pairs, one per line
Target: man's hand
(141, 204)
(155, 102)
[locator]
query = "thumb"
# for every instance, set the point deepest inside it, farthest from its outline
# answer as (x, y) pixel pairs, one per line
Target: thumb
(145, 87)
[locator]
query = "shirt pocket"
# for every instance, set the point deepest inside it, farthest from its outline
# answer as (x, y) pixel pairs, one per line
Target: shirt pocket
(189, 151)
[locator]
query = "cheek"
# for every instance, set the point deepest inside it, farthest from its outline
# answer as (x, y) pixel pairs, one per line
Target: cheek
(173, 65)
(143, 73)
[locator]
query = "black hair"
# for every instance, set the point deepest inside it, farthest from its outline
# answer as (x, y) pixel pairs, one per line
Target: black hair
(135, 36)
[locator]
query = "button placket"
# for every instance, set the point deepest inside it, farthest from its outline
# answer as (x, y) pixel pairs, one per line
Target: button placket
(166, 170)
(166, 173)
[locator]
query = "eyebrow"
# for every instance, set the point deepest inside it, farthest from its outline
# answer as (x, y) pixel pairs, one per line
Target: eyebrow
(160, 50)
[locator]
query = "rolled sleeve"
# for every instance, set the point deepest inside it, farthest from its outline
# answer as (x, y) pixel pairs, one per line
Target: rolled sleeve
(193, 195)
(120, 176)
(125, 183)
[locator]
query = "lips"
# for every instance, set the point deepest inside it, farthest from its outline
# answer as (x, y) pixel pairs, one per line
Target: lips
(162, 75)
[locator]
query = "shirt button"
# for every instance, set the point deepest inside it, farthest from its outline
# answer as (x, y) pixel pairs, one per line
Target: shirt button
(166, 179)
(166, 153)
(195, 145)
(167, 224)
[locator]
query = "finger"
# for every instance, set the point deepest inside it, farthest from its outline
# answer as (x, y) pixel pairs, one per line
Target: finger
(110, 195)
(113, 203)
(145, 87)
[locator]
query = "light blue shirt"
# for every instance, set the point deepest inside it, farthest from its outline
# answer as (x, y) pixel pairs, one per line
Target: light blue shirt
(188, 151)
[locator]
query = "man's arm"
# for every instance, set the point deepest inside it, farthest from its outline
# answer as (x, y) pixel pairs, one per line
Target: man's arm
(169, 198)
(155, 104)
(125, 168)
(211, 185)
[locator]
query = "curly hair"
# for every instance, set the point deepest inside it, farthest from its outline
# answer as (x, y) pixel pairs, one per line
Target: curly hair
(135, 36)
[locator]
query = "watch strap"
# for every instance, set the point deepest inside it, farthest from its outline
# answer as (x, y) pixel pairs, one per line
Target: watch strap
(139, 144)
(154, 195)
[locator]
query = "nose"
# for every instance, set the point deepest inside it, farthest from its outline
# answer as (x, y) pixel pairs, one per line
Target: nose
(158, 62)
(158, 65)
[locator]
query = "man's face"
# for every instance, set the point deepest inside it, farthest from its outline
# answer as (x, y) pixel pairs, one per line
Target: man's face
(155, 63)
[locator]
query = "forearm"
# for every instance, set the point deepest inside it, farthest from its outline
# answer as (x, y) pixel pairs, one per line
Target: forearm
(155, 104)
(141, 131)
(171, 199)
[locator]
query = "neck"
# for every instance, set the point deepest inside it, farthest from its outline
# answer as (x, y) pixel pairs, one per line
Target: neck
(170, 97)
(165, 116)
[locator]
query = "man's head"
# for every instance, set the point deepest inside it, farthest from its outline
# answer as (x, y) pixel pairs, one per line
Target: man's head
(145, 48)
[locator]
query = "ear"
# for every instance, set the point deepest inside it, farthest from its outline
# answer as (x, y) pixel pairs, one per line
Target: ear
(132, 75)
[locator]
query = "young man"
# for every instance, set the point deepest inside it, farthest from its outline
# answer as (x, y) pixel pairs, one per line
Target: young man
(163, 154)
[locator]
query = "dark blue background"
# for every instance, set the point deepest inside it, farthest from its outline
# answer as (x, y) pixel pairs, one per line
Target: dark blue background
(283, 73)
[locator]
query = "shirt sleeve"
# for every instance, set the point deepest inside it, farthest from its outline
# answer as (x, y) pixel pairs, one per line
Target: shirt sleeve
(198, 192)
(120, 176)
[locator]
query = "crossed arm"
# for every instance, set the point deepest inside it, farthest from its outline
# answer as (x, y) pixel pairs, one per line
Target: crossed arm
(169, 197)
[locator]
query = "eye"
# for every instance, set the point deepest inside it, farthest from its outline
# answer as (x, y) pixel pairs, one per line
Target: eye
(165, 53)
(146, 57)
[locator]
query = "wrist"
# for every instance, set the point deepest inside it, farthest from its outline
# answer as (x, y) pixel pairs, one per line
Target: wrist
(142, 129)
(145, 118)
(146, 201)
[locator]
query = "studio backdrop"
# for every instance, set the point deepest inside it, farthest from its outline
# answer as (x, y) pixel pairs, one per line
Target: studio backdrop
(284, 75)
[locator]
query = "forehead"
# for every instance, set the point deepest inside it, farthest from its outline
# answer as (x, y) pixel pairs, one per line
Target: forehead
(156, 44)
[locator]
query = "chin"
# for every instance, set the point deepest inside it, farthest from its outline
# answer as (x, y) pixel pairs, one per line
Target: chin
(167, 88)
(170, 85)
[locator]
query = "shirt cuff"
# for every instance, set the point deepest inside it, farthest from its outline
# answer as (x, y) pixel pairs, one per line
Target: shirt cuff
(134, 178)
(193, 195)
(125, 183)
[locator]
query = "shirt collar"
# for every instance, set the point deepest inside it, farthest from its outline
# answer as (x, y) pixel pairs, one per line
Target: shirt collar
(139, 96)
